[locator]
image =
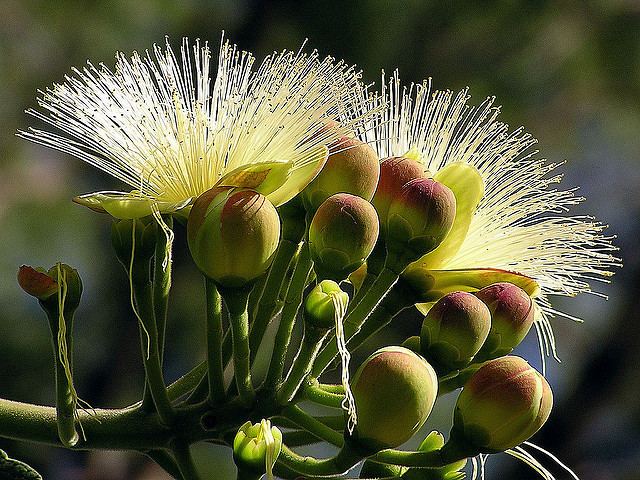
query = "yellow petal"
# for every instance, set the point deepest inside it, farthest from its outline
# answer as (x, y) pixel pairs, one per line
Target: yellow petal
(300, 177)
(442, 282)
(127, 206)
(466, 183)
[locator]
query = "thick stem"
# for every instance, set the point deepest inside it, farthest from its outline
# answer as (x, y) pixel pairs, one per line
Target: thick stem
(316, 394)
(237, 302)
(357, 317)
(150, 348)
(288, 317)
(183, 457)
(309, 466)
(214, 343)
(161, 284)
(312, 425)
(302, 365)
(187, 382)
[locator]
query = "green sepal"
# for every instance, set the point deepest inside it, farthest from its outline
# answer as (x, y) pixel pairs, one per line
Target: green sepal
(12, 469)
(129, 205)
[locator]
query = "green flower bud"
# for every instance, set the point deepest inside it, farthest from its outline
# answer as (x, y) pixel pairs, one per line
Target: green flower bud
(44, 285)
(512, 314)
(419, 218)
(319, 306)
(394, 391)
(435, 441)
(233, 235)
(342, 234)
(454, 330)
(354, 169)
(395, 173)
(123, 241)
(503, 404)
(257, 446)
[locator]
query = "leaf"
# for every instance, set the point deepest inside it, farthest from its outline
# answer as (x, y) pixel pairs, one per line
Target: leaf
(11, 469)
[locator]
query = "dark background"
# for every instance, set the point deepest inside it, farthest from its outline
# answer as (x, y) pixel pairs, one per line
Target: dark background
(569, 71)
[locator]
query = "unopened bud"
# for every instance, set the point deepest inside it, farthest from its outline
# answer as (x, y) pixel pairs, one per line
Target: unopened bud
(503, 404)
(320, 306)
(141, 242)
(342, 234)
(354, 169)
(395, 173)
(233, 235)
(512, 314)
(394, 390)
(257, 446)
(454, 330)
(419, 218)
(61, 279)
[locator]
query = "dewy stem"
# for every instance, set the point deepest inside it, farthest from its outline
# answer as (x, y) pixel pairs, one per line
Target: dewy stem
(214, 343)
(287, 319)
(302, 365)
(357, 317)
(236, 300)
(151, 352)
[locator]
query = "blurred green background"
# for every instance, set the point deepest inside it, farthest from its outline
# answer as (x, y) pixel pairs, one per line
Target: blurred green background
(569, 71)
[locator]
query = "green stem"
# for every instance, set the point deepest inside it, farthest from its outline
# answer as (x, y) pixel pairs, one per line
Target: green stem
(316, 394)
(453, 382)
(309, 466)
(161, 284)
(312, 425)
(150, 348)
(187, 382)
(332, 388)
(375, 265)
(214, 343)
(237, 303)
(187, 468)
(275, 286)
(357, 317)
(288, 317)
(302, 365)
(432, 459)
(300, 438)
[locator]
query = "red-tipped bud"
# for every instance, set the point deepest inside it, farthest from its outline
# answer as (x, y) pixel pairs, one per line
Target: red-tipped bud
(512, 314)
(419, 218)
(342, 234)
(394, 390)
(354, 169)
(503, 404)
(454, 330)
(233, 235)
(395, 173)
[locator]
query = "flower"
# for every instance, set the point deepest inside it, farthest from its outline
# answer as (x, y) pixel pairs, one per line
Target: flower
(163, 125)
(510, 223)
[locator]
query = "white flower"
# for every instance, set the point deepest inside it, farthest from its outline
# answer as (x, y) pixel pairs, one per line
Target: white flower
(511, 223)
(164, 126)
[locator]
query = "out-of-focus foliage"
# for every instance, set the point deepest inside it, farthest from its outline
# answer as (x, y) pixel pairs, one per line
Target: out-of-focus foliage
(569, 71)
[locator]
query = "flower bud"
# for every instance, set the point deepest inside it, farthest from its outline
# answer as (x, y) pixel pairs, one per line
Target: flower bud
(395, 173)
(394, 391)
(342, 234)
(503, 404)
(319, 306)
(512, 314)
(257, 446)
(454, 330)
(45, 285)
(142, 246)
(435, 441)
(354, 169)
(233, 235)
(419, 218)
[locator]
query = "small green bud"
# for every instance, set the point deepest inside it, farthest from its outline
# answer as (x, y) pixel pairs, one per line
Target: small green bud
(503, 404)
(454, 330)
(419, 219)
(435, 441)
(233, 235)
(512, 314)
(394, 391)
(68, 276)
(342, 234)
(123, 241)
(257, 446)
(395, 173)
(354, 169)
(319, 306)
